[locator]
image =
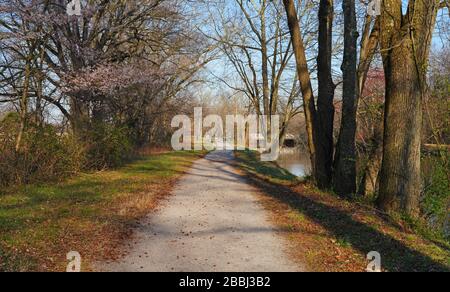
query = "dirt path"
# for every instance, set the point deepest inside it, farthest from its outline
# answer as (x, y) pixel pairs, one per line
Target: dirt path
(212, 222)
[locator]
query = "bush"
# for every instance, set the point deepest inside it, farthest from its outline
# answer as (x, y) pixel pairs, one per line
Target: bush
(46, 155)
(107, 146)
(436, 197)
(43, 155)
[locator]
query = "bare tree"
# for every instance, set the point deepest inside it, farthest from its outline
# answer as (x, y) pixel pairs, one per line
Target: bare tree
(405, 41)
(345, 160)
(325, 98)
(305, 83)
(254, 39)
(120, 61)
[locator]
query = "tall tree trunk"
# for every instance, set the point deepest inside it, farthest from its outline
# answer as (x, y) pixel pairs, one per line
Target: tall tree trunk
(325, 105)
(369, 44)
(23, 104)
(405, 42)
(345, 162)
(400, 171)
(304, 78)
(369, 183)
(265, 65)
(39, 114)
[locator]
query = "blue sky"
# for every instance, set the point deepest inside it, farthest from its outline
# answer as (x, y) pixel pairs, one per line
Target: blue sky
(440, 40)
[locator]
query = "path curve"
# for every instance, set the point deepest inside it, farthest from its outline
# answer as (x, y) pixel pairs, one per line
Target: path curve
(211, 223)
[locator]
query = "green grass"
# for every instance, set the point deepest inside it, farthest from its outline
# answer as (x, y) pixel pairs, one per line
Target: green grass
(39, 224)
(269, 171)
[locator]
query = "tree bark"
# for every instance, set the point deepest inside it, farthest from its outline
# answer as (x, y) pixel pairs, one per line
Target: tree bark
(400, 171)
(369, 44)
(370, 179)
(305, 80)
(325, 105)
(23, 104)
(265, 66)
(344, 181)
(369, 183)
(405, 41)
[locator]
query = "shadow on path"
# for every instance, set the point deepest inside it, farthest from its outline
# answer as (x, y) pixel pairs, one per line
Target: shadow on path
(396, 256)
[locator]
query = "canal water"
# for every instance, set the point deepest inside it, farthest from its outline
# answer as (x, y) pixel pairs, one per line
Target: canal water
(295, 161)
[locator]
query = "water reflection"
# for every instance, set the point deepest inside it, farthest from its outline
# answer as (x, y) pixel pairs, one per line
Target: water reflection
(295, 161)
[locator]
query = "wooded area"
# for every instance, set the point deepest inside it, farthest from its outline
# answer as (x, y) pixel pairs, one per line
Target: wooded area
(108, 81)
(404, 42)
(369, 95)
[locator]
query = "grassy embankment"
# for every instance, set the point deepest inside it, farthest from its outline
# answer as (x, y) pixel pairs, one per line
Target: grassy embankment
(332, 234)
(90, 213)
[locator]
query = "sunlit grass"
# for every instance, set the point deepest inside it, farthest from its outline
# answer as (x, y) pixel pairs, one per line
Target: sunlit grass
(270, 171)
(39, 224)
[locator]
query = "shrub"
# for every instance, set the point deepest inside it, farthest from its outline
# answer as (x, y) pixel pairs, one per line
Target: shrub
(436, 196)
(107, 146)
(44, 154)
